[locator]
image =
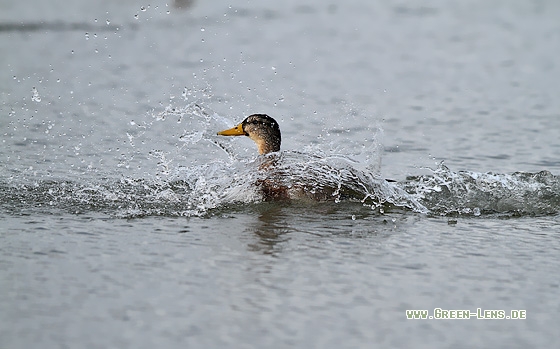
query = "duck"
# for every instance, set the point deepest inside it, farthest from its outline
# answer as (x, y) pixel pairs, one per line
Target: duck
(265, 132)
(275, 186)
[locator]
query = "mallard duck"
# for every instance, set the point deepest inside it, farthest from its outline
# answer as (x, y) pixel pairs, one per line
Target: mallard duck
(262, 129)
(265, 132)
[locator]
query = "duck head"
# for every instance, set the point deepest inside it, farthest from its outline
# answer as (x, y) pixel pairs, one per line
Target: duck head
(262, 129)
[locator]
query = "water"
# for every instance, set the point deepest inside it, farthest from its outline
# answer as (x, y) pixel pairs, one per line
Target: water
(127, 222)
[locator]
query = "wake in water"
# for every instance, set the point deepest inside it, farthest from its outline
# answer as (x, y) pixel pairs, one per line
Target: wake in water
(216, 174)
(471, 193)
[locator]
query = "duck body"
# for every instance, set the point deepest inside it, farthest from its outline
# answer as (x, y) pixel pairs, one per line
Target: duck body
(303, 177)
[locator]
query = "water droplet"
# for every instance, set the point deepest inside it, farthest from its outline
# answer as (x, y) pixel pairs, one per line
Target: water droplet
(87, 36)
(202, 29)
(35, 97)
(143, 9)
(353, 217)
(136, 16)
(108, 22)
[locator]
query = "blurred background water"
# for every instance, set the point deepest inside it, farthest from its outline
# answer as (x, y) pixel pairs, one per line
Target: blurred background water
(127, 223)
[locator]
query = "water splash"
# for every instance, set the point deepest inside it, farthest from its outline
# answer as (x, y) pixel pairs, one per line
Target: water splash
(471, 193)
(197, 172)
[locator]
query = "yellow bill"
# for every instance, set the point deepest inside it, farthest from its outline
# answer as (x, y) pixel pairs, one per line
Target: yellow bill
(235, 131)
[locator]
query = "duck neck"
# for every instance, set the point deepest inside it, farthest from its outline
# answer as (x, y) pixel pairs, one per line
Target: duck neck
(267, 145)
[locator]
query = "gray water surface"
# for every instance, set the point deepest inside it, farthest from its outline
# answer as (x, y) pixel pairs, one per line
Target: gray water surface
(126, 222)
